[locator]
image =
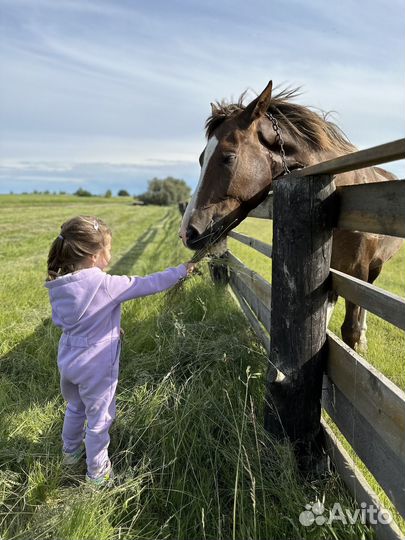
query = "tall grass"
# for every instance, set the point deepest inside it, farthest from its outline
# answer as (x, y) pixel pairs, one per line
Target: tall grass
(191, 456)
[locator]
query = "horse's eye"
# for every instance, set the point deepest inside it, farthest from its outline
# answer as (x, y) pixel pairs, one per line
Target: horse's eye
(201, 159)
(228, 159)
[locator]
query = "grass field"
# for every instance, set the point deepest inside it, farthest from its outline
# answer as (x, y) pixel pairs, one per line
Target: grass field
(191, 457)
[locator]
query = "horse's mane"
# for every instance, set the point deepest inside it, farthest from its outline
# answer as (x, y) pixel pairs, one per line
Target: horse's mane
(319, 132)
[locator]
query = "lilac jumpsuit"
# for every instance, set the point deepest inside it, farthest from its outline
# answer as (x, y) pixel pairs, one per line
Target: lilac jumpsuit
(87, 306)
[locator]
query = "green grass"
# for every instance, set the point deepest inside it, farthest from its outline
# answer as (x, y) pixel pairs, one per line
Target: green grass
(190, 453)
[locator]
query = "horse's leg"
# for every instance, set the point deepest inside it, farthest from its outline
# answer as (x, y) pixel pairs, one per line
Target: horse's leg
(351, 330)
(332, 299)
(351, 327)
(362, 345)
(372, 276)
(373, 273)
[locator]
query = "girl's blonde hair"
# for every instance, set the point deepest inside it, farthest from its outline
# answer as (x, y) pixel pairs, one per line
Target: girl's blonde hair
(79, 238)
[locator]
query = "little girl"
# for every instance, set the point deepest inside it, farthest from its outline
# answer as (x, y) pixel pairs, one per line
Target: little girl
(86, 304)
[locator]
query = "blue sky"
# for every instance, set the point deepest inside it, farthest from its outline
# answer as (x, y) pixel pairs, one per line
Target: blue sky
(110, 93)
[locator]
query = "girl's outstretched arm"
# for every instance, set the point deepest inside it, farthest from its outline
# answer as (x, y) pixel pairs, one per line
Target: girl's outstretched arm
(123, 288)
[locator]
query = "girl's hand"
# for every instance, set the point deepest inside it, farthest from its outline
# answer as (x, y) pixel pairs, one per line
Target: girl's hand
(191, 267)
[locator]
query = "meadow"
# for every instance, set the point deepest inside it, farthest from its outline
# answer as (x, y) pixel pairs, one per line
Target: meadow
(191, 457)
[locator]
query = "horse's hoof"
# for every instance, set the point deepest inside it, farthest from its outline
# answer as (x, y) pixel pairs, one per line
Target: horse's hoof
(362, 346)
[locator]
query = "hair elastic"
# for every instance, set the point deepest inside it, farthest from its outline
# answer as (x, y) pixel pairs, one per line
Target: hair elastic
(96, 225)
(60, 237)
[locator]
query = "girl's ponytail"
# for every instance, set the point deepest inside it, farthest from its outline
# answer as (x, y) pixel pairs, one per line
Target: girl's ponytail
(80, 237)
(55, 258)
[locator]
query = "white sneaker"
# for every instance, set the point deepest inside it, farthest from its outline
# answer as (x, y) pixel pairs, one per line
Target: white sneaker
(105, 479)
(72, 458)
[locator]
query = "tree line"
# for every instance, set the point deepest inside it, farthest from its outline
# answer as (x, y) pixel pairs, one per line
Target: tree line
(162, 192)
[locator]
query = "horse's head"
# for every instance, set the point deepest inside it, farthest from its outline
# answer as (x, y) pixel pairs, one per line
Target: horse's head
(238, 164)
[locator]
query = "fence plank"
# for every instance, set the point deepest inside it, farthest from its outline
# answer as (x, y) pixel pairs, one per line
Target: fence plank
(378, 399)
(255, 281)
(372, 449)
(256, 326)
(261, 311)
(258, 245)
(384, 304)
(377, 208)
(357, 484)
(367, 443)
(264, 210)
(383, 153)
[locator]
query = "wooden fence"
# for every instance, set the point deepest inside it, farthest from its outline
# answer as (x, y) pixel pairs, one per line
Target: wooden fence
(367, 408)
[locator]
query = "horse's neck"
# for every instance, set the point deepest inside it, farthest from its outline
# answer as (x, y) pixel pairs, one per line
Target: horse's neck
(319, 156)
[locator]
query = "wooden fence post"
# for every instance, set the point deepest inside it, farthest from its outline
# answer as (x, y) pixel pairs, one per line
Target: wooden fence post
(219, 268)
(304, 210)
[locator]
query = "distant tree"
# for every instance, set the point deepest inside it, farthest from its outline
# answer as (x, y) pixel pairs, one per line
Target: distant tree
(165, 192)
(82, 193)
(108, 194)
(123, 193)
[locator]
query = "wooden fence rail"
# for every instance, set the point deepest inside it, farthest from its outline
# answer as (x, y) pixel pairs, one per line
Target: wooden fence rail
(360, 203)
(384, 153)
(357, 484)
(258, 245)
(384, 304)
(370, 412)
(376, 208)
(255, 281)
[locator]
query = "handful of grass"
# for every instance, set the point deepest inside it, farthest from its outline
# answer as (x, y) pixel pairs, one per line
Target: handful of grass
(198, 257)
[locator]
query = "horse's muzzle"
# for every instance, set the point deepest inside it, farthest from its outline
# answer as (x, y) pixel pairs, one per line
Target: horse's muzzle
(196, 240)
(192, 235)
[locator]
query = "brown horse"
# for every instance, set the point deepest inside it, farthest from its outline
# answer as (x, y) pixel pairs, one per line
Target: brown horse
(241, 159)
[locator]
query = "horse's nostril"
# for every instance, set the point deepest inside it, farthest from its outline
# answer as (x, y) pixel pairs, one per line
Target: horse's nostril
(192, 234)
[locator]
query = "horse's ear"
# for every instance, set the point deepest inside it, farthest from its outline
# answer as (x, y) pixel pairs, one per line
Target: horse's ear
(258, 107)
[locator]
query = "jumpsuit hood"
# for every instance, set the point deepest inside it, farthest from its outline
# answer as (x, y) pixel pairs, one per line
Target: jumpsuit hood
(72, 294)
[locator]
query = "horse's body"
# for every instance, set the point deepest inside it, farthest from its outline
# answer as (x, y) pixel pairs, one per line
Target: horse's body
(243, 156)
